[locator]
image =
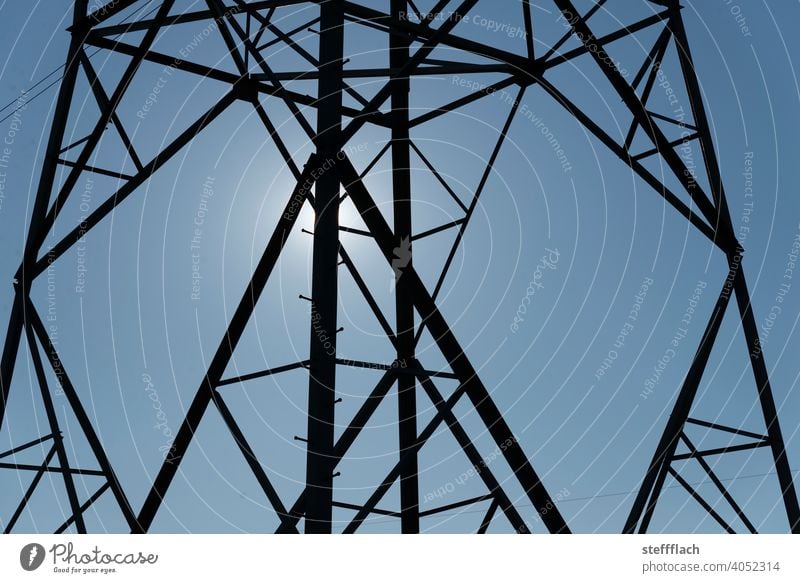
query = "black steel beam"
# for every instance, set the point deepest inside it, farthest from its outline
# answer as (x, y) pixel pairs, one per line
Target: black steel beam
(325, 276)
(400, 85)
(263, 373)
(699, 454)
(25, 446)
(51, 469)
(457, 505)
(725, 428)
(381, 511)
(453, 68)
(527, 19)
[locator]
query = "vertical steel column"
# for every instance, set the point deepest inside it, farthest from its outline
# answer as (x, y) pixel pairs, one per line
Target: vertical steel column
(324, 286)
(404, 302)
(25, 273)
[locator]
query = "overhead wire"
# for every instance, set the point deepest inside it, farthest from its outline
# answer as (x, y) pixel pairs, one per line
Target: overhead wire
(60, 68)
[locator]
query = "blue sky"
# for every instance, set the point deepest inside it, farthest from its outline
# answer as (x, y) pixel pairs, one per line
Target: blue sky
(136, 336)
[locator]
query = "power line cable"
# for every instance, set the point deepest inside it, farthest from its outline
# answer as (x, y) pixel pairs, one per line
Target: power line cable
(60, 68)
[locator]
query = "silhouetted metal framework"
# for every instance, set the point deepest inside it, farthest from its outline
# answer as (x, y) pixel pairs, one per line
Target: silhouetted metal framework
(319, 181)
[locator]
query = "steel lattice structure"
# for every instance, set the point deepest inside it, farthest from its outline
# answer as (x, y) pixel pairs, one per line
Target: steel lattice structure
(411, 43)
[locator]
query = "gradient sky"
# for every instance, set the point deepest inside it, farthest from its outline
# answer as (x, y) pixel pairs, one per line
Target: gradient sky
(135, 340)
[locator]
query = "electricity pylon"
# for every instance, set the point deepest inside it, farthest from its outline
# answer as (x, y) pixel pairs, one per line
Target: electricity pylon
(414, 36)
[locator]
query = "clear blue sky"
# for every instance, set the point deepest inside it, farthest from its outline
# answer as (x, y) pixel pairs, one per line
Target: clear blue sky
(136, 341)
